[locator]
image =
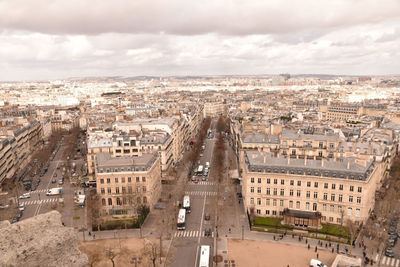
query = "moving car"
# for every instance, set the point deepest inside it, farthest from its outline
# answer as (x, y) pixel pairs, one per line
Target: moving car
(26, 195)
(21, 207)
(389, 252)
(207, 217)
(316, 263)
(207, 232)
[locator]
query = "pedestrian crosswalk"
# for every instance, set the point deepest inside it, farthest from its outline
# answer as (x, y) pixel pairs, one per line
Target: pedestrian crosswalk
(38, 191)
(203, 183)
(193, 234)
(37, 201)
(392, 262)
(201, 193)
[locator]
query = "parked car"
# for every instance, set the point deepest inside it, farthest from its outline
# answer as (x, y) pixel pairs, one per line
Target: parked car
(53, 181)
(207, 217)
(196, 181)
(55, 175)
(204, 178)
(21, 207)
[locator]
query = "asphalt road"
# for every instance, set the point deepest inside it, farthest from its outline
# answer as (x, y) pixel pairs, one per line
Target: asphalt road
(203, 196)
(38, 202)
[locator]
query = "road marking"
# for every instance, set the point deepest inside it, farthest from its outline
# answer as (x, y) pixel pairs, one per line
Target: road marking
(201, 227)
(397, 262)
(391, 262)
(376, 257)
(201, 193)
(384, 260)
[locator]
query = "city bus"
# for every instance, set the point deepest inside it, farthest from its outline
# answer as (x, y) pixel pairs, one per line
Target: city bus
(204, 256)
(181, 220)
(186, 203)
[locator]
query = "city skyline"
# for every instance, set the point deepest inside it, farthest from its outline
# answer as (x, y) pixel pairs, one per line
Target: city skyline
(95, 38)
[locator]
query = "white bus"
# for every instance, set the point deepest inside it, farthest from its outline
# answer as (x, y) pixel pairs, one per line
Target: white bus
(181, 220)
(204, 256)
(186, 203)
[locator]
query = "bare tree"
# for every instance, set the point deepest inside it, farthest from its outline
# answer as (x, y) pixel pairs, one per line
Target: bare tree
(352, 231)
(152, 252)
(111, 254)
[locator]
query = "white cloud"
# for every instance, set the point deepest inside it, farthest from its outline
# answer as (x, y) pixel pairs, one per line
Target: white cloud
(54, 39)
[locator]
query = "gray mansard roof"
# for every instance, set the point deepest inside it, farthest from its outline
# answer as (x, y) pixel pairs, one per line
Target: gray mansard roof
(347, 169)
(262, 138)
(299, 135)
(121, 164)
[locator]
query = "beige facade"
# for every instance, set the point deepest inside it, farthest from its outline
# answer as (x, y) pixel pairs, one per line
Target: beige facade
(213, 109)
(343, 112)
(126, 183)
(339, 190)
(17, 146)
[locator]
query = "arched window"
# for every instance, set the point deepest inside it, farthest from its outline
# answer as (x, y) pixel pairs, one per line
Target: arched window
(118, 201)
(144, 199)
(103, 201)
(109, 202)
(139, 200)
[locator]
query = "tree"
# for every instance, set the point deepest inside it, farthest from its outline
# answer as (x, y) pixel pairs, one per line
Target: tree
(352, 230)
(152, 252)
(111, 254)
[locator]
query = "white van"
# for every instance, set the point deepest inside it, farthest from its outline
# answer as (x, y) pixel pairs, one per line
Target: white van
(316, 263)
(207, 165)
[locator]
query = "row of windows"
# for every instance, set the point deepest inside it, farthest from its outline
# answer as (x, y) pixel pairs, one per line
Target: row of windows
(308, 183)
(332, 208)
(124, 201)
(308, 194)
(116, 180)
(126, 151)
(117, 191)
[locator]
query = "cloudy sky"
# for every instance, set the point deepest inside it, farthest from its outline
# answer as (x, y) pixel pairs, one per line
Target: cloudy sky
(52, 39)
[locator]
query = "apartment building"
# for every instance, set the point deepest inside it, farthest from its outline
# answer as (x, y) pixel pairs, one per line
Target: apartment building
(133, 144)
(126, 183)
(7, 157)
(214, 109)
(18, 143)
(308, 191)
(343, 112)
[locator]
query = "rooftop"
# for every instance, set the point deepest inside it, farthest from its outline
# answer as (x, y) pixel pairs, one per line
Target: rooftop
(347, 168)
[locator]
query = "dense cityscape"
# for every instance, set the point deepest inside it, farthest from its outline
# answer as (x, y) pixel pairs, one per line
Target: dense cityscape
(180, 134)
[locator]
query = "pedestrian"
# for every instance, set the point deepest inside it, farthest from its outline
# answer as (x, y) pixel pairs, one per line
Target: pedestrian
(274, 237)
(292, 235)
(306, 241)
(90, 233)
(326, 245)
(316, 249)
(94, 236)
(333, 250)
(317, 255)
(308, 246)
(359, 244)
